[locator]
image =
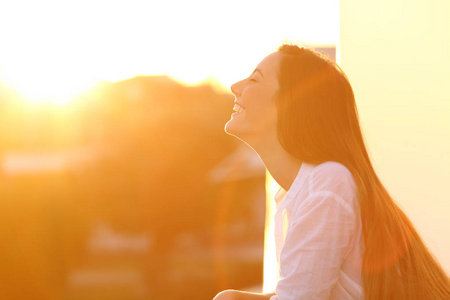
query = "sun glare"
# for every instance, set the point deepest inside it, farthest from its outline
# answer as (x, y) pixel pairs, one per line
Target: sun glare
(58, 89)
(53, 50)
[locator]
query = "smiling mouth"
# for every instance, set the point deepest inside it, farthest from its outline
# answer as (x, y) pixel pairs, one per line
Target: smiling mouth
(238, 108)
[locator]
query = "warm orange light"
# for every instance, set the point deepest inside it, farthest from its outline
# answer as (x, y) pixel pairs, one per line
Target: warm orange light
(53, 50)
(49, 88)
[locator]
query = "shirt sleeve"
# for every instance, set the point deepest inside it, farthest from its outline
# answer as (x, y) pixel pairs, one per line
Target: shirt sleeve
(317, 242)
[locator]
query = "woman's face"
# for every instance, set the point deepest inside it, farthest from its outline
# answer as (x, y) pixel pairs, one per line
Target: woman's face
(255, 113)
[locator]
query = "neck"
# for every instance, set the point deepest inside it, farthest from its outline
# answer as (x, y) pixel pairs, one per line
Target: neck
(281, 165)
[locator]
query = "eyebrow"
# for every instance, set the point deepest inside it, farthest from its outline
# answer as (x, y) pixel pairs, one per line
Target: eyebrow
(259, 71)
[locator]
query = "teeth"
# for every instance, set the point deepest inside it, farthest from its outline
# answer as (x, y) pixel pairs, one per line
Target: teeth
(238, 108)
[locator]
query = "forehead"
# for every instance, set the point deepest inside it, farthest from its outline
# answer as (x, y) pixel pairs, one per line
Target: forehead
(269, 66)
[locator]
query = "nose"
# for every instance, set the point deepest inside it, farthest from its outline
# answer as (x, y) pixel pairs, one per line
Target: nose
(236, 88)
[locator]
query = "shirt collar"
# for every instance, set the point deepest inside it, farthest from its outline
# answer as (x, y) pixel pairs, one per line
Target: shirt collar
(302, 174)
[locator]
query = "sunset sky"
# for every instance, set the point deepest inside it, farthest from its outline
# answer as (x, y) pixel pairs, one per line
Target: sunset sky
(55, 49)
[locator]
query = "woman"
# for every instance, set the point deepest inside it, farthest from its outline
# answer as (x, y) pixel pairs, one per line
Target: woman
(339, 235)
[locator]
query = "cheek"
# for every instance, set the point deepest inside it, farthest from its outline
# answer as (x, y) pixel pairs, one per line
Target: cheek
(266, 104)
(265, 115)
(261, 111)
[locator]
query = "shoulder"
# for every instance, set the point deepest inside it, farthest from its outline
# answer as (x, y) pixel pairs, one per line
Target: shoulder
(332, 177)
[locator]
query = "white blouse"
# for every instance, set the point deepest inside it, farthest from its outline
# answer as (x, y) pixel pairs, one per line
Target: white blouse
(318, 236)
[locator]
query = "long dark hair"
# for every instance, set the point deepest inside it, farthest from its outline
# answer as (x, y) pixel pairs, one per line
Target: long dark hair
(318, 122)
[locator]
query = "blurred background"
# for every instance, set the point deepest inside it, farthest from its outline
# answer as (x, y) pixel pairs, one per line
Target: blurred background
(117, 180)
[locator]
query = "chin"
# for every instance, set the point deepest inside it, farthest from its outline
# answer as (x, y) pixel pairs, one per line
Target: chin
(232, 129)
(229, 127)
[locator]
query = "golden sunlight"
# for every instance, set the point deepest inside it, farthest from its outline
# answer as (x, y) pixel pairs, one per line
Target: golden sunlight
(100, 130)
(42, 87)
(53, 50)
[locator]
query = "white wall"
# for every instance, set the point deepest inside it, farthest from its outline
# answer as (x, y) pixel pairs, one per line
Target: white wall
(397, 56)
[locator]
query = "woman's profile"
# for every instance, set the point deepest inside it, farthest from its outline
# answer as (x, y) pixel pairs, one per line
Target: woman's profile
(338, 233)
